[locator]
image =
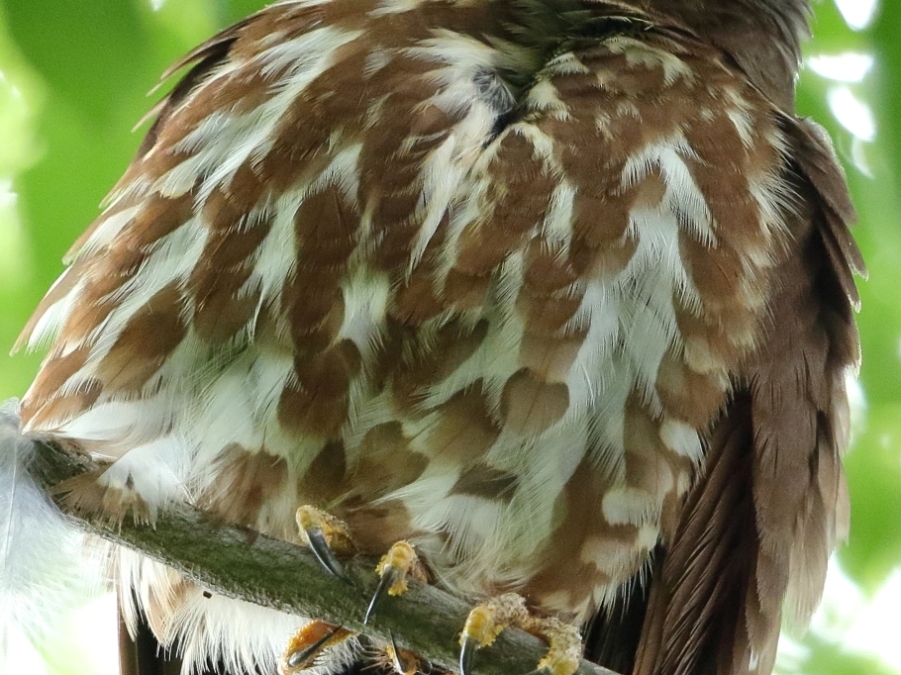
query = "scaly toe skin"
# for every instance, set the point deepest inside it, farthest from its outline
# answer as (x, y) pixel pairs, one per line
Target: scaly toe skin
(308, 644)
(486, 621)
(565, 645)
(326, 536)
(395, 567)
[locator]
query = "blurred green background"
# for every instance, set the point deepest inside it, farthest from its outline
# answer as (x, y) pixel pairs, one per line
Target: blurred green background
(73, 79)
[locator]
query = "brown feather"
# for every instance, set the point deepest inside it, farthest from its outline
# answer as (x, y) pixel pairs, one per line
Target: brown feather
(693, 614)
(760, 525)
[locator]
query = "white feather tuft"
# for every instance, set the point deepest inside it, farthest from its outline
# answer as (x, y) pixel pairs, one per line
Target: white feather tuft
(45, 567)
(208, 628)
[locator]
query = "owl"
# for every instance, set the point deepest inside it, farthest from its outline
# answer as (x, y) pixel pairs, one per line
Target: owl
(548, 301)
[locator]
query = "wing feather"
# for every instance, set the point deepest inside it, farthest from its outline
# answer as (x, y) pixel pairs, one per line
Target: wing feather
(759, 526)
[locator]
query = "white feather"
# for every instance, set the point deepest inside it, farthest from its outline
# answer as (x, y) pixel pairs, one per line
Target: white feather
(246, 638)
(45, 567)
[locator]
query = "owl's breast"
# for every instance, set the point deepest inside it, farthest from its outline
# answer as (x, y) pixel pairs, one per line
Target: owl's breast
(495, 314)
(548, 368)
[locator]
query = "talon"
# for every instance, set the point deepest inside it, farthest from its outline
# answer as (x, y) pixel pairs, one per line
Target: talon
(395, 567)
(308, 643)
(468, 647)
(394, 655)
(402, 661)
(389, 658)
(324, 554)
(325, 535)
(388, 579)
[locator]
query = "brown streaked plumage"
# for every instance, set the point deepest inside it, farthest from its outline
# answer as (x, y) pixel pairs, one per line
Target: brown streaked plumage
(558, 290)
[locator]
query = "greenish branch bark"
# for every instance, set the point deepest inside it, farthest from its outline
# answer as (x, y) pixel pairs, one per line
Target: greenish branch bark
(244, 564)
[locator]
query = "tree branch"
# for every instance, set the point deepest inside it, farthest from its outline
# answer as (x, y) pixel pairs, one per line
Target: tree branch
(244, 564)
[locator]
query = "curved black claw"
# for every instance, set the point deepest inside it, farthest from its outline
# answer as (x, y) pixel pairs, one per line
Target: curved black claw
(323, 552)
(396, 662)
(468, 648)
(390, 575)
(303, 658)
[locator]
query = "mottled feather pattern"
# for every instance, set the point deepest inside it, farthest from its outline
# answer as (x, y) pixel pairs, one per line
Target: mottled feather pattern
(457, 278)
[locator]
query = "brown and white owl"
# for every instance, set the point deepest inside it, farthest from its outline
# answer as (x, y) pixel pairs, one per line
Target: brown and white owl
(557, 292)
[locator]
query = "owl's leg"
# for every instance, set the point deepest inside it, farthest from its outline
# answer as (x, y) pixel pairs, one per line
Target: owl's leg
(327, 537)
(309, 644)
(486, 621)
(395, 567)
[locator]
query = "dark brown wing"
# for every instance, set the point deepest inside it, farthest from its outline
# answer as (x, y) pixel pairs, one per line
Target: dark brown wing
(760, 525)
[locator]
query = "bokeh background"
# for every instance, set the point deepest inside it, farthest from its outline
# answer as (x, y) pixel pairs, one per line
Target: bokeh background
(73, 81)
